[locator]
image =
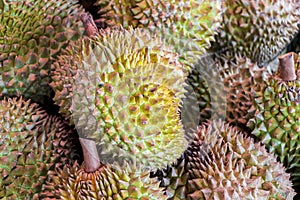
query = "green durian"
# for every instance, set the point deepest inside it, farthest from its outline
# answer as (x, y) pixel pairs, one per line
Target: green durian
(117, 42)
(277, 116)
(258, 29)
(126, 96)
(188, 25)
(32, 144)
(32, 34)
(222, 163)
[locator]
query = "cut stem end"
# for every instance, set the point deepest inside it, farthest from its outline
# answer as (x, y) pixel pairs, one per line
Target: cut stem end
(89, 24)
(90, 154)
(286, 68)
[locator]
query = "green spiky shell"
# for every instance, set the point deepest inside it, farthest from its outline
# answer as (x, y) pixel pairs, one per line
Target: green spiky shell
(117, 42)
(258, 29)
(108, 182)
(126, 95)
(188, 25)
(277, 119)
(222, 163)
(31, 144)
(32, 34)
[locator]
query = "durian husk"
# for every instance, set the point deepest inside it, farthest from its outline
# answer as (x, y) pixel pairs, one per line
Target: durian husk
(32, 35)
(188, 25)
(224, 91)
(223, 163)
(205, 96)
(32, 144)
(126, 95)
(277, 119)
(239, 75)
(110, 181)
(115, 42)
(253, 28)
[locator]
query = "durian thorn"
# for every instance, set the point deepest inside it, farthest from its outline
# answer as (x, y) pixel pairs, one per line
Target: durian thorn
(90, 154)
(89, 24)
(286, 68)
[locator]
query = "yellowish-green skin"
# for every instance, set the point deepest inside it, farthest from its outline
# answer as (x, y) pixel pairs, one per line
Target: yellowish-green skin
(126, 95)
(108, 182)
(32, 34)
(186, 25)
(115, 43)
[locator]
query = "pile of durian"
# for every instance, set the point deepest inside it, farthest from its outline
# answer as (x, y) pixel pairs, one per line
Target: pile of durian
(149, 100)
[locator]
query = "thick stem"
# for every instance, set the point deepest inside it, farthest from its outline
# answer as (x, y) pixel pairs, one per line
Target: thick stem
(89, 24)
(286, 69)
(90, 154)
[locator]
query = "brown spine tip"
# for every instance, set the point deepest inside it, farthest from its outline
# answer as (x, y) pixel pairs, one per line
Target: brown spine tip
(90, 154)
(286, 69)
(89, 24)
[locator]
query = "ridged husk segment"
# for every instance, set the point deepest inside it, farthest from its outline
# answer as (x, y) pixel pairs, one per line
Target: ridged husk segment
(277, 119)
(223, 163)
(108, 182)
(255, 28)
(188, 25)
(32, 35)
(32, 144)
(114, 42)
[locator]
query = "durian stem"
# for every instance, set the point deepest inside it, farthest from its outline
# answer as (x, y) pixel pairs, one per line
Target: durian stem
(89, 24)
(90, 154)
(287, 66)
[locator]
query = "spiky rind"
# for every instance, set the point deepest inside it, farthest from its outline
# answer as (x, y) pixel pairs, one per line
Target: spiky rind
(254, 28)
(32, 144)
(222, 163)
(104, 50)
(127, 88)
(133, 113)
(188, 25)
(108, 182)
(239, 75)
(277, 118)
(224, 91)
(32, 34)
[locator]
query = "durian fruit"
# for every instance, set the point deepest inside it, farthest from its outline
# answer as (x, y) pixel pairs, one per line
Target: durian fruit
(205, 96)
(239, 75)
(224, 91)
(110, 181)
(126, 96)
(188, 25)
(32, 33)
(222, 163)
(117, 42)
(32, 143)
(277, 118)
(258, 29)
